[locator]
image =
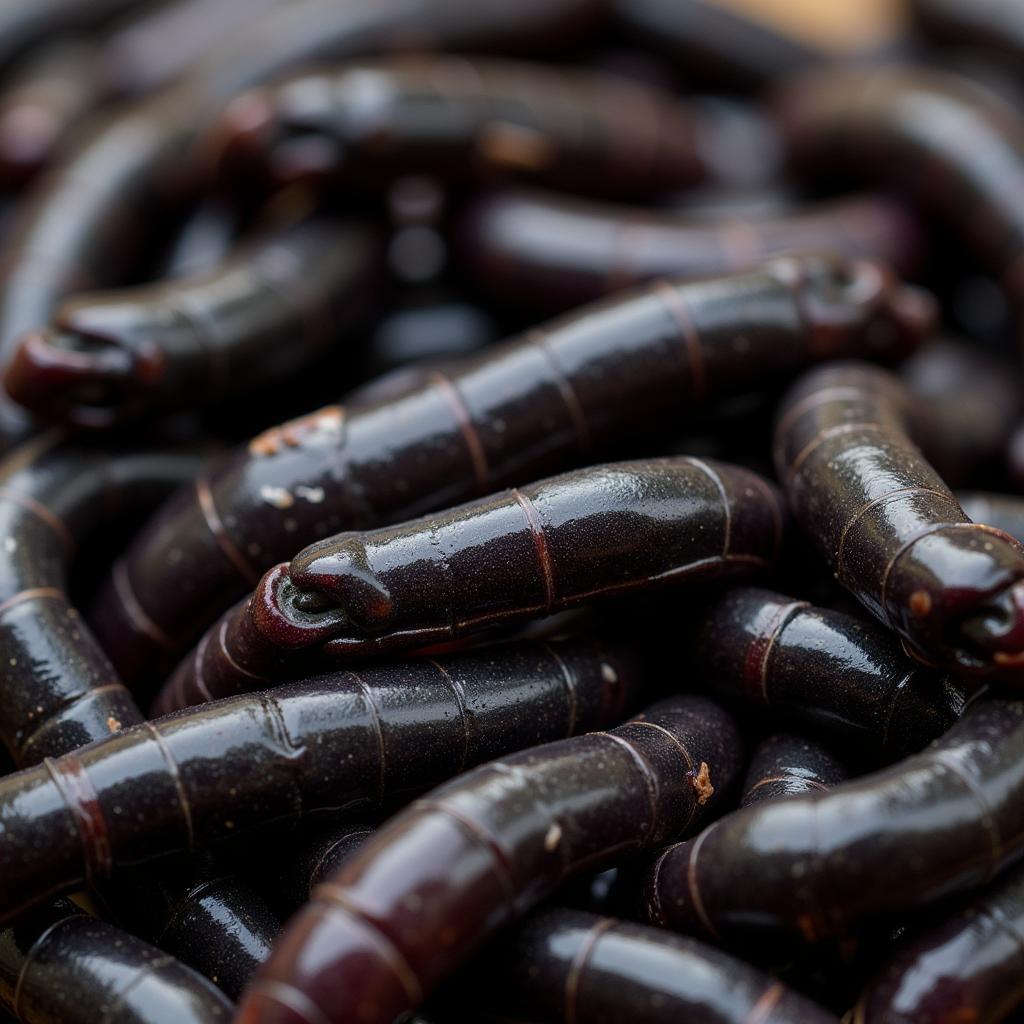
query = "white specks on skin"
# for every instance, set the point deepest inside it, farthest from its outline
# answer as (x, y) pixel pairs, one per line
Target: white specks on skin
(279, 497)
(608, 673)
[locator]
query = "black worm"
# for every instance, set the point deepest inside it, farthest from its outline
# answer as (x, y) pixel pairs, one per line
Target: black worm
(786, 765)
(338, 743)
(60, 691)
(554, 252)
(892, 530)
(845, 676)
(955, 147)
(59, 964)
(966, 968)
(943, 821)
(90, 222)
(253, 320)
(590, 534)
(207, 918)
(601, 377)
(364, 123)
(561, 966)
(420, 895)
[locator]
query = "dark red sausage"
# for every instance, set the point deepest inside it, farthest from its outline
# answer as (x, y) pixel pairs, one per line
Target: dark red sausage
(587, 535)
(603, 377)
(891, 530)
(786, 765)
(410, 905)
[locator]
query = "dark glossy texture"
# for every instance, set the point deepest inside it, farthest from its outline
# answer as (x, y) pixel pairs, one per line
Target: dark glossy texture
(416, 899)
(42, 103)
(954, 146)
(972, 401)
(250, 322)
(827, 670)
(91, 221)
(1003, 511)
(591, 534)
(337, 743)
(553, 252)
(310, 860)
(608, 375)
(449, 117)
(970, 967)
(715, 40)
(59, 964)
(942, 821)
(207, 918)
(60, 691)
(562, 966)
(786, 765)
(891, 529)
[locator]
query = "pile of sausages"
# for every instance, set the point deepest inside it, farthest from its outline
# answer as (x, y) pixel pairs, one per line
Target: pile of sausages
(510, 512)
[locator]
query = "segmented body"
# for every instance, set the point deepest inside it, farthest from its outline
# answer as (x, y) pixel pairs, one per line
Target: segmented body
(786, 765)
(556, 396)
(480, 852)
(945, 820)
(90, 223)
(892, 530)
(249, 322)
(454, 118)
(588, 535)
(968, 967)
(564, 965)
(825, 669)
(60, 964)
(338, 743)
(555, 252)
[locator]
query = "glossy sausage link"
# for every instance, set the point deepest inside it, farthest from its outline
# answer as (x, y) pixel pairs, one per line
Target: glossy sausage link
(520, 554)
(60, 964)
(825, 669)
(255, 319)
(606, 375)
(410, 904)
(891, 529)
(943, 821)
(553, 252)
(339, 743)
